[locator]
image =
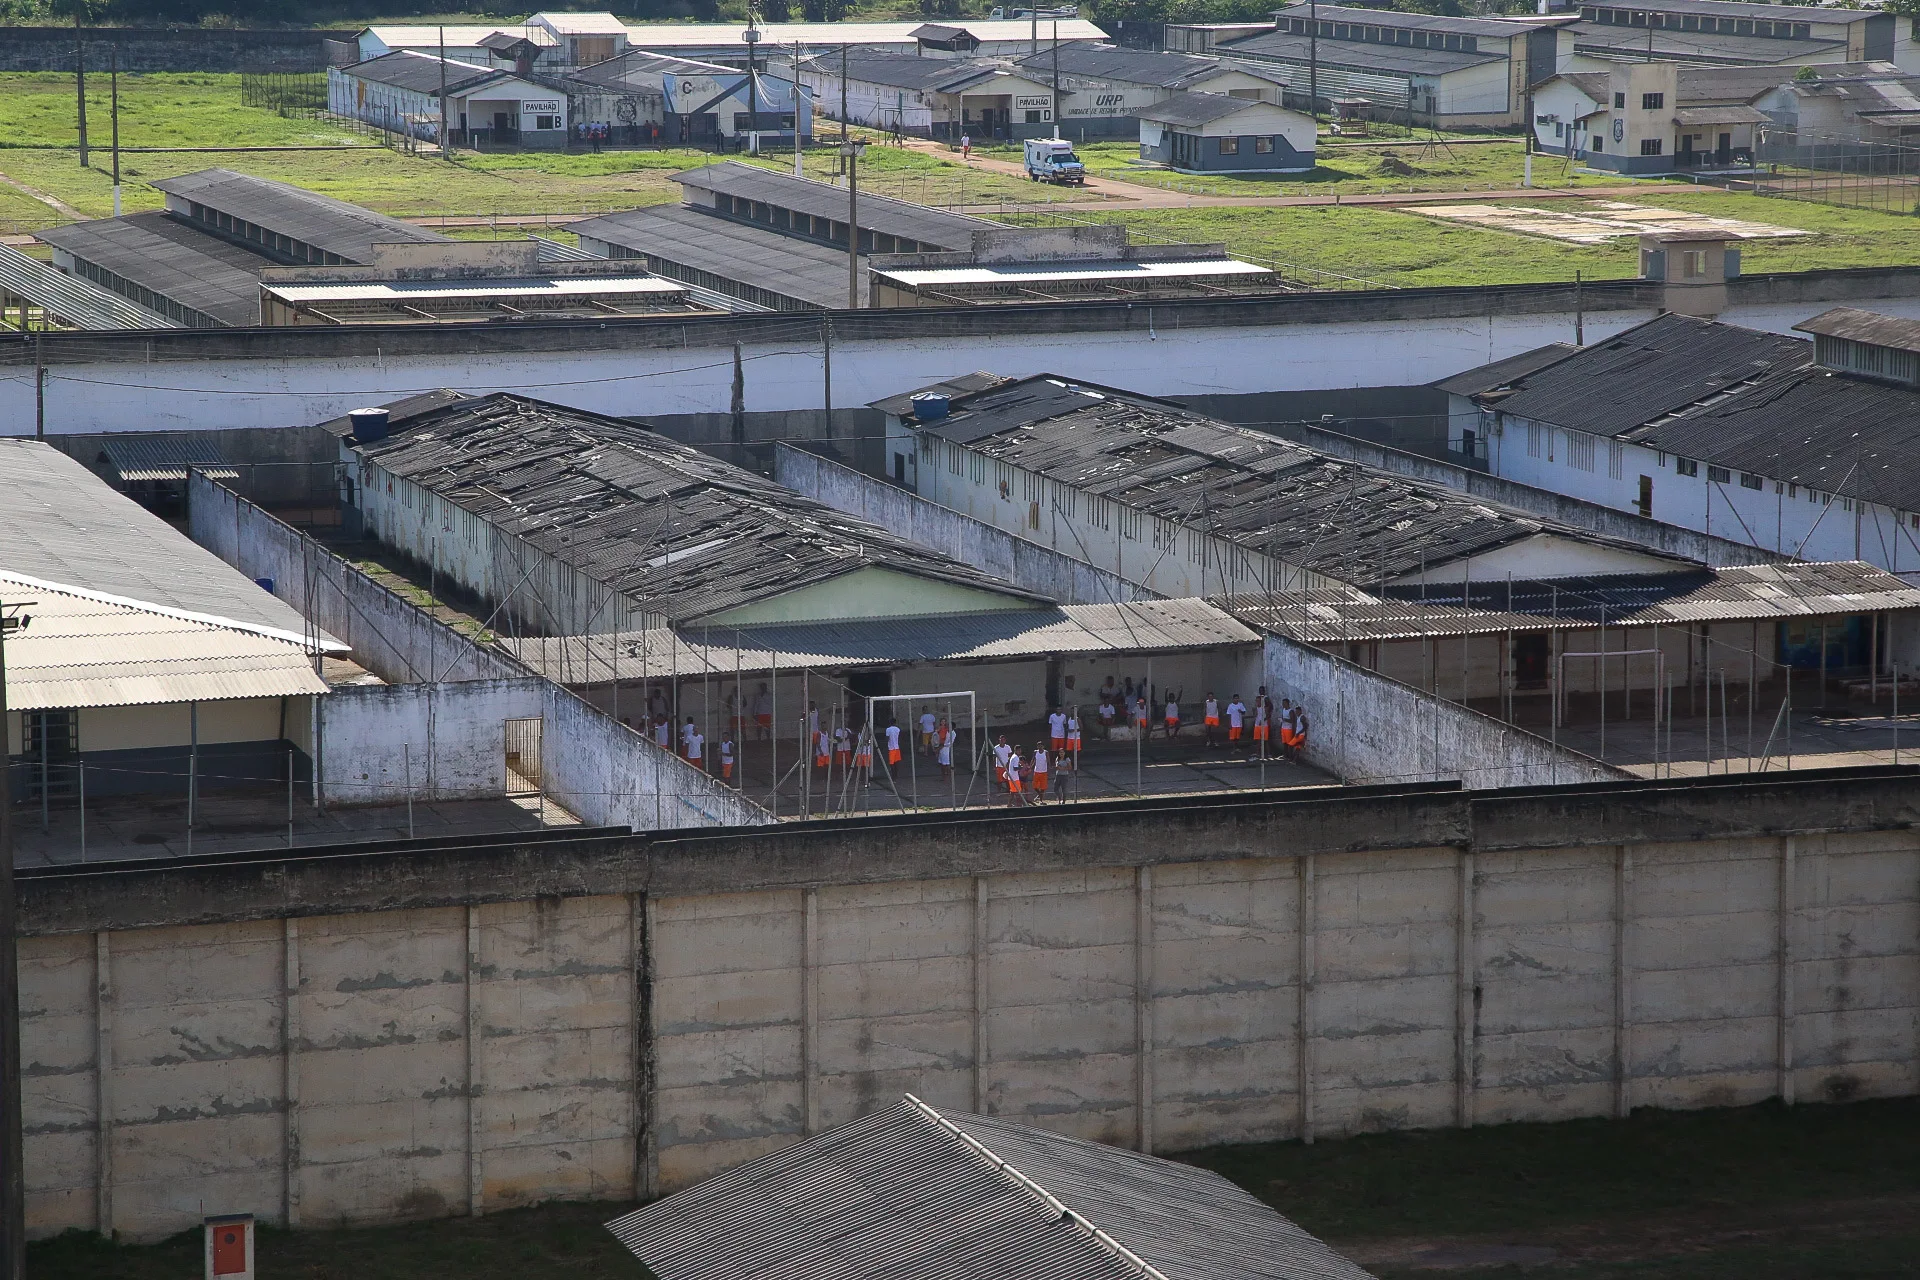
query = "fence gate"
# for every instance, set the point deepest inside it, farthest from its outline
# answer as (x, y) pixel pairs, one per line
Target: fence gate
(524, 777)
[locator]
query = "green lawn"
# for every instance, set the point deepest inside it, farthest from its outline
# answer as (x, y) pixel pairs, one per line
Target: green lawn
(156, 110)
(1399, 248)
(1758, 1193)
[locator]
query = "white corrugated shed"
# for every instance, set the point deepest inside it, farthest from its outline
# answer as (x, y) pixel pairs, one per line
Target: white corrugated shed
(81, 650)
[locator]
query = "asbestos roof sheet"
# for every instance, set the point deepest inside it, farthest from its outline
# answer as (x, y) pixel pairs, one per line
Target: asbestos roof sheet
(906, 70)
(76, 300)
(82, 651)
(1486, 377)
(832, 35)
(1358, 55)
(1198, 108)
(1162, 69)
(823, 200)
(1871, 327)
(1719, 115)
(680, 533)
(979, 380)
(164, 455)
(541, 289)
(420, 72)
(333, 225)
(1180, 469)
(1154, 626)
(1504, 28)
(1709, 46)
(1648, 372)
(1753, 593)
(62, 525)
(157, 251)
(804, 270)
(911, 1191)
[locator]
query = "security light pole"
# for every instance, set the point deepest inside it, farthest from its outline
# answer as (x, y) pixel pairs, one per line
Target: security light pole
(850, 152)
(80, 80)
(113, 78)
(446, 143)
(1313, 63)
(13, 1200)
(752, 36)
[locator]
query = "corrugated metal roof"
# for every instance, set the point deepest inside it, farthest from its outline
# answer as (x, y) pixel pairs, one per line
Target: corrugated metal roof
(980, 380)
(1337, 518)
(62, 525)
(1870, 327)
(1486, 377)
(333, 225)
(1160, 68)
(164, 455)
(74, 300)
(1754, 593)
(1199, 108)
(1733, 114)
(675, 236)
(832, 35)
(157, 251)
(906, 70)
(1153, 626)
(680, 533)
(85, 652)
(1649, 371)
(915, 1192)
(1234, 272)
(1357, 55)
(1706, 46)
(419, 71)
(883, 214)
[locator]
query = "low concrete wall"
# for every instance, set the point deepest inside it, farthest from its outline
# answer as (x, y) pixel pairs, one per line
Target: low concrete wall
(1365, 727)
(346, 1036)
(444, 741)
(1591, 516)
(1025, 564)
(391, 637)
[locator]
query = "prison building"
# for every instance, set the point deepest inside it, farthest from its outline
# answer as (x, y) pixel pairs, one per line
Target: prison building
(199, 261)
(1424, 67)
(1215, 133)
(1655, 117)
(144, 656)
(769, 238)
(1799, 448)
(932, 97)
(645, 96)
(570, 523)
(403, 93)
(1103, 87)
(1188, 506)
(1730, 32)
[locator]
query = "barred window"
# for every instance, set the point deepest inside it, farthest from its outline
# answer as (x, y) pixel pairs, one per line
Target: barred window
(1580, 450)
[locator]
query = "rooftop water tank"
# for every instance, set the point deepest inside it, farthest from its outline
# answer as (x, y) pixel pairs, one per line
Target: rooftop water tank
(930, 406)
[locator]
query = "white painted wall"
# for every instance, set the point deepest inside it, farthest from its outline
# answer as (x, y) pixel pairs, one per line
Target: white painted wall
(1775, 516)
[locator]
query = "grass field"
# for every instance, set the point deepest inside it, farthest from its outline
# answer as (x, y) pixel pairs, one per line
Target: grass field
(205, 110)
(1399, 248)
(1760, 1193)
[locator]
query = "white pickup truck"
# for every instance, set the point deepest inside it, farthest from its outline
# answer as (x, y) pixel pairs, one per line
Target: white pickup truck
(1052, 160)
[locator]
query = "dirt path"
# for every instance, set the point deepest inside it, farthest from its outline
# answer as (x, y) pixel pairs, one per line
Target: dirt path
(1679, 1234)
(60, 207)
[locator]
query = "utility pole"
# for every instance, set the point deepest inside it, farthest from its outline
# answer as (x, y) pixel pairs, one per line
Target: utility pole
(843, 95)
(1055, 113)
(13, 1198)
(1313, 63)
(446, 141)
(850, 152)
(793, 89)
(752, 36)
(80, 80)
(113, 78)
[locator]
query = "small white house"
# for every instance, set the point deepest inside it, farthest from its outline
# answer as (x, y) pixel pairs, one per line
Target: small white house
(1216, 133)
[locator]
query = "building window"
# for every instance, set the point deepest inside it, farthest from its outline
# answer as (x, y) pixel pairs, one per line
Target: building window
(1597, 147)
(1033, 117)
(1686, 467)
(1652, 101)
(1559, 129)
(1650, 146)
(1693, 263)
(1616, 459)
(1620, 101)
(1263, 146)
(1719, 475)
(1533, 440)
(1229, 146)
(546, 122)
(1748, 480)
(1579, 451)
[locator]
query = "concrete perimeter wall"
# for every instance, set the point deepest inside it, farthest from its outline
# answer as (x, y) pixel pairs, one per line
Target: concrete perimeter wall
(1366, 727)
(443, 741)
(1025, 564)
(363, 1037)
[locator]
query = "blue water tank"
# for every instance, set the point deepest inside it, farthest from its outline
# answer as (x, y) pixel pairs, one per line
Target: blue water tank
(930, 406)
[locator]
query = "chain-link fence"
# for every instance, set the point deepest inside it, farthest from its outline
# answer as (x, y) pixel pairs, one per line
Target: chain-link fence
(1836, 169)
